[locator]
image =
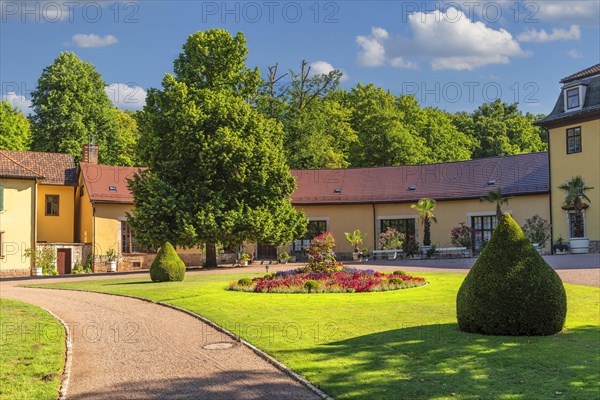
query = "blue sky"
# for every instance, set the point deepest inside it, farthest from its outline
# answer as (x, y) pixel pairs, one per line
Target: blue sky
(451, 55)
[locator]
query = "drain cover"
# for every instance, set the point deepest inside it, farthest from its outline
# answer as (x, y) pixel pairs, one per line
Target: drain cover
(218, 346)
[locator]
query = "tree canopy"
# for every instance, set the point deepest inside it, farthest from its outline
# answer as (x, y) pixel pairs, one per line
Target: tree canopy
(15, 133)
(217, 169)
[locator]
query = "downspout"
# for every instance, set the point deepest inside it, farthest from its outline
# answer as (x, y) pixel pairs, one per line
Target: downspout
(550, 195)
(34, 230)
(93, 238)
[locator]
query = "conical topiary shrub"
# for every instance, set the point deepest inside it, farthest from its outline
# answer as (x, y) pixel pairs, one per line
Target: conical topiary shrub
(511, 290)
(167, 266)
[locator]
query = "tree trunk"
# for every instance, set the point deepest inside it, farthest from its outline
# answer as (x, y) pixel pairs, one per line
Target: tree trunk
(427, 232)
(211, 256)
(498, 212)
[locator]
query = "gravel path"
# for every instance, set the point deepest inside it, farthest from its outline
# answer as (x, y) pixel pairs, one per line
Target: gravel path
(130, 349)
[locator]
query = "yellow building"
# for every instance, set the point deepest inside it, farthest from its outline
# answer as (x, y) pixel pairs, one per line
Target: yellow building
(102, 204)
(372, 199)
(38, 196)
(574, 147)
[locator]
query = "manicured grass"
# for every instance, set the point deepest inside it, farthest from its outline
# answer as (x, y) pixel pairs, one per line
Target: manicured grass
(391, 345)
(32, 350)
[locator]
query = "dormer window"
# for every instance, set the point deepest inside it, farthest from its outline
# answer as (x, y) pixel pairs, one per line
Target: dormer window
(574, 96)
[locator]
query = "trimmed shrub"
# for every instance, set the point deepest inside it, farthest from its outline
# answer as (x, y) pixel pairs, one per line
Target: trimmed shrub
(311, 285)
(167, 266)
(400, 272)
(511, 290)
(245, 282)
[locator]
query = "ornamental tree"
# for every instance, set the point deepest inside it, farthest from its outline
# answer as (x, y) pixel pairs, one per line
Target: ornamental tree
(216, 167)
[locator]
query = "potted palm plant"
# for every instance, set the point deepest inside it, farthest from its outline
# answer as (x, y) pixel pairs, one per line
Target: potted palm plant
(425, 209)
(245, 259)
(111, 259)
(560, 247)
(284, 257)
(495, 196)
(356, 239)
(575, 191)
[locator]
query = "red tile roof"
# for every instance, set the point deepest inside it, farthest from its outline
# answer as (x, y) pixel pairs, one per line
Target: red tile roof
(584, 73)
(51, 168)
(515, 175)
(108, 184)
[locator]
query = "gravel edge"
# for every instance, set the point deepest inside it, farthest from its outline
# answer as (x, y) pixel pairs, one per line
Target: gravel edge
(66, 375)
(280, 366)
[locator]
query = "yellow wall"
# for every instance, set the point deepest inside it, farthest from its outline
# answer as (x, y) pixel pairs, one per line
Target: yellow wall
(346, 218)
(564, 166)
(107, 220)
(61, 228)
(17, 223)
(84, 216)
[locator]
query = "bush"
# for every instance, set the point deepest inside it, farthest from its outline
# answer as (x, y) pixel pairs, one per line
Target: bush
(245, 282)
(411, 247)
(511, 290)
(167, 266)
(396, 281)
(537, 230)
(311, 285)
(321, 257)
(462, 236)
(391, 239)
(400, 272)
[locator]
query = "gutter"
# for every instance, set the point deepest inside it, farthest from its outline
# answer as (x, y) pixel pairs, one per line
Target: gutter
(34, 223)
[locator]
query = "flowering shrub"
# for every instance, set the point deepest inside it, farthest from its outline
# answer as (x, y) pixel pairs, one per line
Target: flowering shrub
(348, 280)
(321, 257)
(411, 247)
(462, 236)
(391, 239)
(537, 230)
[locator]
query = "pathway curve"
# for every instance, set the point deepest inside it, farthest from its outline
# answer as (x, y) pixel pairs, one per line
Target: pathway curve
(130, 349)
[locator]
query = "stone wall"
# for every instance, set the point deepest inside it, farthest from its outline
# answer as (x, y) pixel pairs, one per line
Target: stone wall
(14, 273)
(594, 246)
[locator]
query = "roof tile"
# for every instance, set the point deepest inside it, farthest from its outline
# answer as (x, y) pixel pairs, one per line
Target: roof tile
(51, 168)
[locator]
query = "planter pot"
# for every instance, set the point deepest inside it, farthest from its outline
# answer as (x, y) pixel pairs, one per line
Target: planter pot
(283, 261)
(37, 272)
(538, 248)
(356, 256)
(244, 263)
(579, 245)
(392, 256)
(293, 259)
(560, 252)
(112, 266)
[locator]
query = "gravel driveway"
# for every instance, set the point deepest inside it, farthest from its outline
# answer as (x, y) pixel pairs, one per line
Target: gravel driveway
(130, 349)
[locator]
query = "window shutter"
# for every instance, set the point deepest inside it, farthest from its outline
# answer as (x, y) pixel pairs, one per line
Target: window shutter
(1, 198)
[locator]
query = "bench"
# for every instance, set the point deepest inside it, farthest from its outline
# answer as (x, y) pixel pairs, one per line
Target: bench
(449, 251)
(394, 253)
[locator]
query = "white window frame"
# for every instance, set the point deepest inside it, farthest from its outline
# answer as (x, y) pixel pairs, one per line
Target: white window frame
(568, 214)
(406, 216)
(581, 92)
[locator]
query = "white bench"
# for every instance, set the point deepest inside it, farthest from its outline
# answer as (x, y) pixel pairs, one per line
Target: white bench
(462, 251)
(387, 252)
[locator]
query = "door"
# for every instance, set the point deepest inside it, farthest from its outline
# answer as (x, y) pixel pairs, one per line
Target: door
(264, 252)
(63, 261)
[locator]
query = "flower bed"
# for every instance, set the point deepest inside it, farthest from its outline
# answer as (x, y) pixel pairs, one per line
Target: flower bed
(349, 280)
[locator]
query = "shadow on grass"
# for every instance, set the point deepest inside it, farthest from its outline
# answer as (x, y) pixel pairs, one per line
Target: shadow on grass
(439, 361)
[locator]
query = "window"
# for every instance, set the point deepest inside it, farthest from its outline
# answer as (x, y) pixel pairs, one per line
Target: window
(573, 98)
(314, 228)
(406, 226)
(483, 226)
(574, 140)
(52, 205)
(128, 242)
(571, 221)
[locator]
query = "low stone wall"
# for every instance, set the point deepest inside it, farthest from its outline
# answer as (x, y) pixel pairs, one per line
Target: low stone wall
(14, 273)
(142, 261)
(594, 246)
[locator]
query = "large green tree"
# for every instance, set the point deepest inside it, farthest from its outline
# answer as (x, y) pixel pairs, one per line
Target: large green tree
(15, 132)
(217, 171)
(124, 143)
(71, 107)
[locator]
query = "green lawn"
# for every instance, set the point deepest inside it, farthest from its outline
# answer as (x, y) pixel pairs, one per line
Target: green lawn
(32, 351)
(391, 345)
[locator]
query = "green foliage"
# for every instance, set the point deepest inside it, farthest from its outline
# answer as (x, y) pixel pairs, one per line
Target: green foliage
(245, 257)
(425, 208)
(400, 272)
(537, 230)
(462, 236)
(15, 133)
(167, 266)
(496, 197)
(321, 255)
(44, 258)
(200, 121)
(391, 239)
(411, 247)
(511, 290)
(284, 256)
(355, 238)
(311, 285)
(70, 107)
(245, 282)
(124, 143)
(575, 194)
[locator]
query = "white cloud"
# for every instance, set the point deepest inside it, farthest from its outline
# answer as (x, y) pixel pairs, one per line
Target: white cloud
(585, 12)
(323, 67)
(541, 36)
(18, 101)
(448, 40)
(574, 54)
(93, 40)
(126, 95)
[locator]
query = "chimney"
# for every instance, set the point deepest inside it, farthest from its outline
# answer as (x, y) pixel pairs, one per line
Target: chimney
(90, 154)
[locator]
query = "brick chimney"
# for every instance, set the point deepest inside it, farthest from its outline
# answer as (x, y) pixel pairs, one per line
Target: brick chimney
(90, 154)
